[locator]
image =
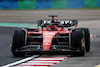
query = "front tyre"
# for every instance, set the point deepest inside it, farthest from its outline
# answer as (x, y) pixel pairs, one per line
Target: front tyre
(18, 42)
(76, 42)
(87, 38)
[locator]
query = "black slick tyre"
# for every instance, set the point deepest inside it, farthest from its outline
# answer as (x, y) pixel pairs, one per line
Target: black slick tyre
(76, 42)
(18, 42)
(87, 38)
(76, 37)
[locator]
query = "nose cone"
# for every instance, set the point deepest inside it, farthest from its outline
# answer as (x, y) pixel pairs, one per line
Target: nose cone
(47, 39)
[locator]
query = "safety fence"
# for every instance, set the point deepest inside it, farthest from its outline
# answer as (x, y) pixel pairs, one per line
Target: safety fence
(48, 4)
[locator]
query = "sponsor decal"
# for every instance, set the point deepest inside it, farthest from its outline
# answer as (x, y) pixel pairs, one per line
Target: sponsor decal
(47, 36)
(50, 33)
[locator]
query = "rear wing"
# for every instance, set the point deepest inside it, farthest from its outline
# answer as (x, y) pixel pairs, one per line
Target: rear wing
(65, 23)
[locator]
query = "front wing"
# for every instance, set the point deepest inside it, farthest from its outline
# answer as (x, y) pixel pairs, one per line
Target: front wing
(53, 49)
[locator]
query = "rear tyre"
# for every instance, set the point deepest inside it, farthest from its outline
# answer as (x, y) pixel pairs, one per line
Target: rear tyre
(76, 42)
(18, 42)
(87, 38)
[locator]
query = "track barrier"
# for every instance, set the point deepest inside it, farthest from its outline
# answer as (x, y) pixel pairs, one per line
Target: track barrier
(6, 4)
(74, 3)
(48, 4)
(56, 4)
(98, 3)
(90, 3)
(26, 4)
(43, 4)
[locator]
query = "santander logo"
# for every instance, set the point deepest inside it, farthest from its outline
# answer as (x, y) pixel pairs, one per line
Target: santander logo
(49, 33)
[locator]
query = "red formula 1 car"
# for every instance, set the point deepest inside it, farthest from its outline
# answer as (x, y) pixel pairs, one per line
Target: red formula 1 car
(52, 36)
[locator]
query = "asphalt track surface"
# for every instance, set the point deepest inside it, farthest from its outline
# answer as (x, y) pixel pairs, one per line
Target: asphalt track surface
(31, 16)
(87, 18)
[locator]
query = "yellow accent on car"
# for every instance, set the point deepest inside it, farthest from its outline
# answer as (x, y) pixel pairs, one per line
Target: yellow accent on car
(45, 47)
(48, 36)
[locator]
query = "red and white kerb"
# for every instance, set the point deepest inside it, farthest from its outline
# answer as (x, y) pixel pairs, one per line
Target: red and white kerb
(91, 36)
(43, 61)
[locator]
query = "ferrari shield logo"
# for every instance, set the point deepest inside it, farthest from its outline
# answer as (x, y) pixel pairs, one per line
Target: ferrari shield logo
(45, 47)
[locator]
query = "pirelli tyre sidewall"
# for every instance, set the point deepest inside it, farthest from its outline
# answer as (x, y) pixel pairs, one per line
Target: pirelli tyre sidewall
(87, 38)
(18, 41)
(76, 41)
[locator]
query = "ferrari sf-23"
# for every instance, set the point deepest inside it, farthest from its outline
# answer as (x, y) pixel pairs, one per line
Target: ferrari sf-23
(52, 36)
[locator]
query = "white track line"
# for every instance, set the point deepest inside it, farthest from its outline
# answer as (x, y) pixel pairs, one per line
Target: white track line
(31, 66)
(21, 61)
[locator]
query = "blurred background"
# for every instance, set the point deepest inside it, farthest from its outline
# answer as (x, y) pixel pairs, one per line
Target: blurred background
(48, 4)
(29, 11)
